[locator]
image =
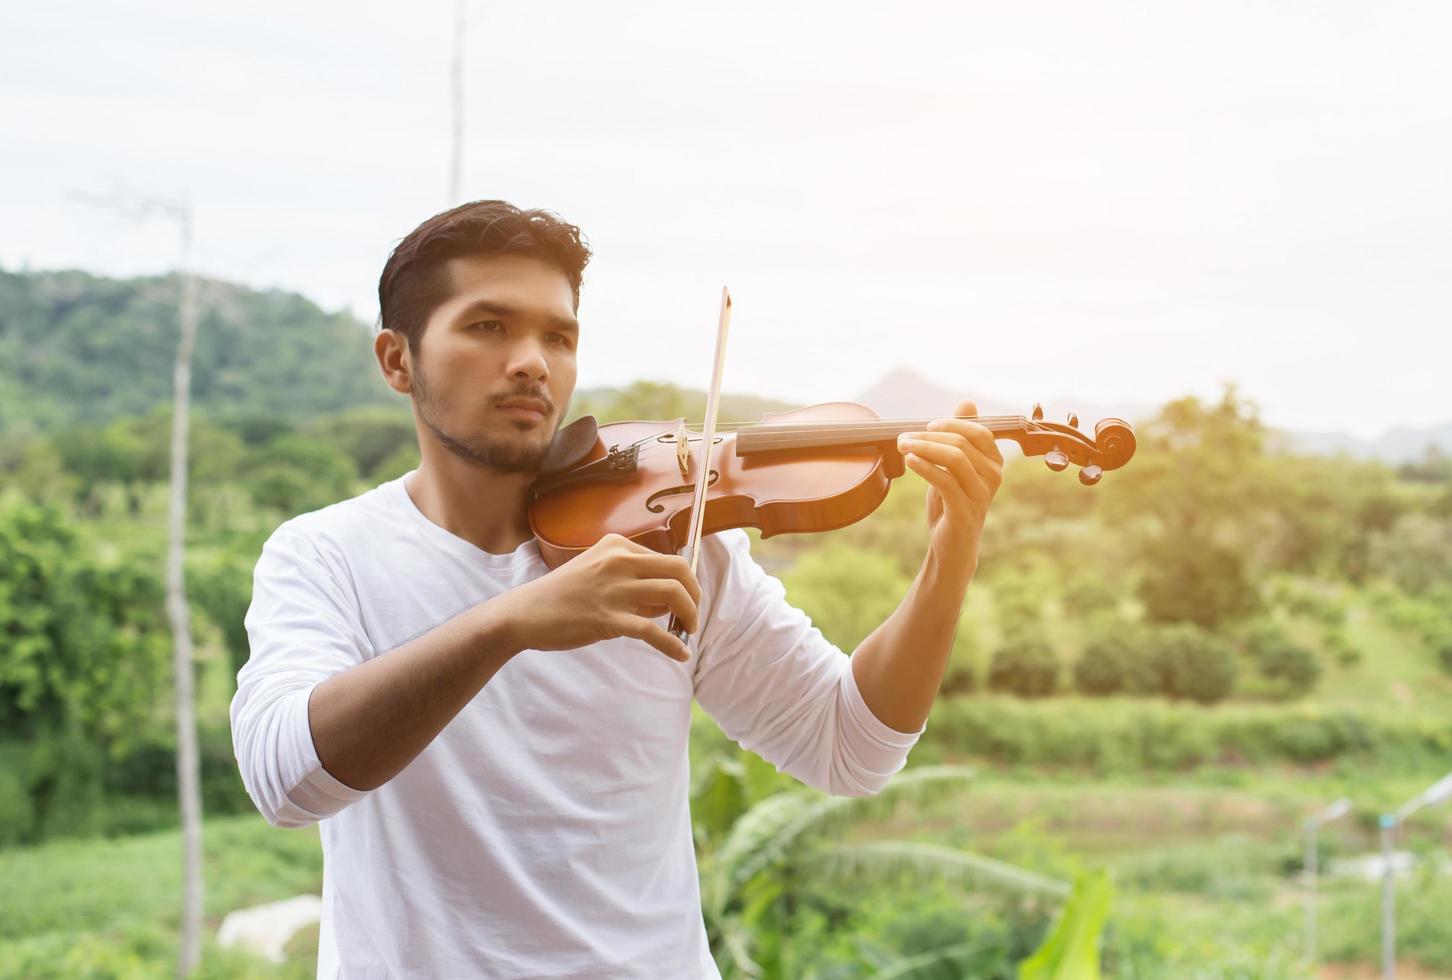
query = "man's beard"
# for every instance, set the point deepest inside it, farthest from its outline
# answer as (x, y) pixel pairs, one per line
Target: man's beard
(503, 456)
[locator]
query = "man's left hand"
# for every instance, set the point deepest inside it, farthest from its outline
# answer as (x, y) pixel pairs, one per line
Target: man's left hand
(964, 468)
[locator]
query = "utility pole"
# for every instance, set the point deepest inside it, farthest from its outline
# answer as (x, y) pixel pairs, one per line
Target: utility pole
(456, 79)
(188, 780)
(188, 774)
(1313, 824)
(1438, 792)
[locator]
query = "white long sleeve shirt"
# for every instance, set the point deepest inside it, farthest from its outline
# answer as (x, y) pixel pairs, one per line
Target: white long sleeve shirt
(546, 831)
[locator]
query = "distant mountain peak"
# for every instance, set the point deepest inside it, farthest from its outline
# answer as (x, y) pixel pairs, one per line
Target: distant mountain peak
(906, 393)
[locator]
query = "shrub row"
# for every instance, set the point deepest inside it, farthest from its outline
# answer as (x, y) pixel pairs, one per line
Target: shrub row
(1126, 734)
(1181, 661)
(72, 789)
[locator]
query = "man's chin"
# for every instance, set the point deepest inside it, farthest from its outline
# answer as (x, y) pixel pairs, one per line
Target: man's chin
(498, 455)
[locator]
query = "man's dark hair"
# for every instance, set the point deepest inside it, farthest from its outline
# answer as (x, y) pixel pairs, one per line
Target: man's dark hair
(414, 283)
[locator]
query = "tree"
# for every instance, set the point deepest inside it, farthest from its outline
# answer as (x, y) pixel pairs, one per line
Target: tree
(1193, 663)
(296, 473)
(1197, 501)
(1026, 666)
(83, 664)
(847, 592)
(1293, 669)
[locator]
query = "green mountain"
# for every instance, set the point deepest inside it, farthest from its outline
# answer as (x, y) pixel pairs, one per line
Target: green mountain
(78, 348)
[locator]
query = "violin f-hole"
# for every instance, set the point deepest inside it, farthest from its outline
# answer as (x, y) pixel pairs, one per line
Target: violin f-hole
(659, 508)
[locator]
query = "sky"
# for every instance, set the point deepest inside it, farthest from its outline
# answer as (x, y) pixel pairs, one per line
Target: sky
(1119, 202)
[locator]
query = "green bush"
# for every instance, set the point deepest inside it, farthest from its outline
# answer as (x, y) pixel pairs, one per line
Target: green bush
(1101, 668)
(1309, 599)
(1338, 644)
(1027, 666)
(961, 675)
(1290, 668)
(1118, 658)
(1129, 734)
(1193, 663)
(17, 816)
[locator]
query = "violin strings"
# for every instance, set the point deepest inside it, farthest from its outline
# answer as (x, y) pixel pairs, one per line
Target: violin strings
(847, 424)
(828, 427)
(657, 448)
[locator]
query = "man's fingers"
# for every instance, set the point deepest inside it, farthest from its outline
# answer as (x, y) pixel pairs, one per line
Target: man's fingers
(649, 564)
(989, 468)
(667, 593)
(945, 453)
(639, 628)
(939, 478)
(976, 433)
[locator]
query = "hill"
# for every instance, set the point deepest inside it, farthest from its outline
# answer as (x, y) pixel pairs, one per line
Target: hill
(81, 348)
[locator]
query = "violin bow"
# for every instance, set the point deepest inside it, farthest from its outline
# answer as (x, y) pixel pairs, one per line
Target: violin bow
(690, 552)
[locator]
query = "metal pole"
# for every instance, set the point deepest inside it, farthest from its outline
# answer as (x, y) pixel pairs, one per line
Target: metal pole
(188, 785)
(456, 90)
(1311, 871)
(1388, 900)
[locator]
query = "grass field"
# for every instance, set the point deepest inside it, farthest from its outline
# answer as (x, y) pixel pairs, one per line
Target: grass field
(110, 908)
(1206, 878)
(1205, 859)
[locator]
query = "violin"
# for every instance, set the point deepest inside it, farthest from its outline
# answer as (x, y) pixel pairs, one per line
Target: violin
(812, 469)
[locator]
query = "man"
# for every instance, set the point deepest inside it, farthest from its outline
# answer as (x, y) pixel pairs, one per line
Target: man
(498, 752)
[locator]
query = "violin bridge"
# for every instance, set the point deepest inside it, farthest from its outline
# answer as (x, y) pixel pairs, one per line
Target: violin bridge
(683, 451)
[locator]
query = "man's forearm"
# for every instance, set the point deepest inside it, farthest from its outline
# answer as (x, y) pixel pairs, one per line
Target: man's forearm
(900, 665)
(369, 721)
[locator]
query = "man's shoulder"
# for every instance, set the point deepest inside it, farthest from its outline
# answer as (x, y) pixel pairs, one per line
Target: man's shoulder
(333, 527)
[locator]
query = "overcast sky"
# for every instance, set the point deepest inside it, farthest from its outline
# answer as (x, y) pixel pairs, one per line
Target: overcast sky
(1120, 202)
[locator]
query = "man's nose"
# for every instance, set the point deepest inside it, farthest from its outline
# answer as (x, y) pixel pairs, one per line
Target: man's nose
(528, 361)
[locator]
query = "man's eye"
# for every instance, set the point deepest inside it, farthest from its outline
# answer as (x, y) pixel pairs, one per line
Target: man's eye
(489, 325)
(561, 339)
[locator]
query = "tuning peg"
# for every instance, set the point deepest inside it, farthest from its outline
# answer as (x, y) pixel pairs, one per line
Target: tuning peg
(1056, 460)
(1090, 474)
(1038, 415)
(1073, 421)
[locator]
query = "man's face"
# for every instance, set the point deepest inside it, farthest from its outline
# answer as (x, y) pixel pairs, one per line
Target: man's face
(504, 338)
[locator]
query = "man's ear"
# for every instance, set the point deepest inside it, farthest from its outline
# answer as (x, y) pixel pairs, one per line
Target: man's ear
(394, 360)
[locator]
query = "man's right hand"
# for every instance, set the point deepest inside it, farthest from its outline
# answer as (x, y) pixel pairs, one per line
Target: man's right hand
(616, 588)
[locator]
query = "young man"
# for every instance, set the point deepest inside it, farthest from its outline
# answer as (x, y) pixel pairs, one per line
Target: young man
(497, 751)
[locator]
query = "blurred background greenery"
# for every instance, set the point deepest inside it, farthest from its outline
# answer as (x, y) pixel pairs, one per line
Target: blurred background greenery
(1161, 677)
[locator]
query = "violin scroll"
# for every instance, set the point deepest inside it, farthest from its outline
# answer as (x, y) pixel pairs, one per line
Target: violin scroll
(1111, 447)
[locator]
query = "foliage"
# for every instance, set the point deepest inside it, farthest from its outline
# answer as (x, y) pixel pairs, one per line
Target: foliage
(1071, 952)
(219, 586)
(1026, 666)
(1126, 735)
(847, 592)
(1415, 552)
(1293, 669)
(1178, 660)
(1118, 658)
(1198, 499)
(84, 908)
(86, 652)
(295, 474)
(763, 848)
(1193, 663)
(85, 349)
(660, 401)
(367, 436)
(961, 675)
(1350, 926)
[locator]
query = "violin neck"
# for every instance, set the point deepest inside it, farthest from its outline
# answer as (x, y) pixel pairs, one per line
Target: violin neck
(783, 437)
